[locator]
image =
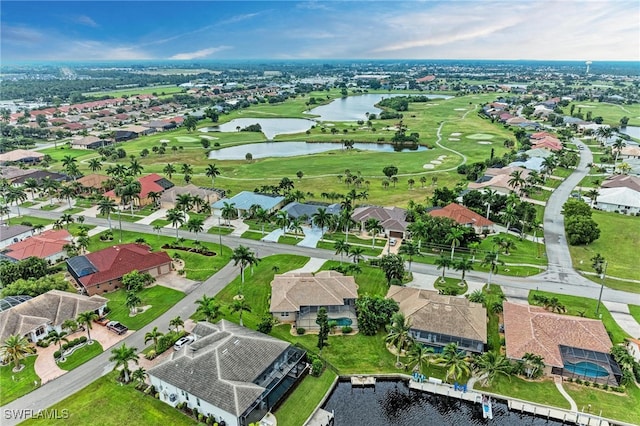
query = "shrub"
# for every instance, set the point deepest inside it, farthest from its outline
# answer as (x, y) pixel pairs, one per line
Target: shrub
(42, 344)
(578, 381)
(82, 339)
(300, 331)
(346, 329)
(200, 417)
(57, 354)
(587, 383)
(65, 346)
(316, 367)
(605, 386)
(151, 354)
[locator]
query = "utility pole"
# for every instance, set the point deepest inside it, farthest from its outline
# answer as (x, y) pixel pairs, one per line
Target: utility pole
(602, 276)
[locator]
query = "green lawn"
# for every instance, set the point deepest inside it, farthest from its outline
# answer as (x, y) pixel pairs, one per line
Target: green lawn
(49, 207)
(367, 250)
(301, 403)
(635, 312)
(160, 298)
(493, 294)
(618, 242)
(105, 402)
(14, 385)
(539, 391)
(30, 219)
(80, 356)
(613, 405)
(576, 305)
(451, 284)
(253, 235)
(370, 281)
(74, 210)
(289, 239)
(525, 251)
(224, 230)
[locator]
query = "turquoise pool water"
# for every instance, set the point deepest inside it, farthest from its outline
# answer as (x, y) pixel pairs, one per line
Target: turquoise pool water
(587, 369)
(341, 322)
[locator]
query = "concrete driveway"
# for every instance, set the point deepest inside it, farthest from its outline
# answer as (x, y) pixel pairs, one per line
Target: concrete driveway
(177, 282)
(312, 235)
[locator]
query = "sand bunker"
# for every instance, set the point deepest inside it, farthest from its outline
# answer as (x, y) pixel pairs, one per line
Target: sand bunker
(484, 142)
(428, 166)
(186, 139)
(442, 157)
(585, 106)
(164, 141)
(454, 139)
(456, 134)
(480, 136)
(459, 109)
(436, 162)
(211, 138)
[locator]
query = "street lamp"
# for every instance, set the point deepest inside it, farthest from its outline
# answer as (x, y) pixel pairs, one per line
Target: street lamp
(220, 234)
(488, 209)
(602, 276)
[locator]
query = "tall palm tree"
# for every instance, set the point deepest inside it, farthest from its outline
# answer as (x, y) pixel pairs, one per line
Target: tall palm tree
(176, 322)
(195, 225)
(106, 206)
(593, 196)
(443, 262)
(67, 192)
(342, 248)
(184, 202)
(464, 264)
(17, 195)
(208, 307)
(228, 211)
(492, 261)
(409, 249)
(455, 362)
(455, 238)
(373, 227)
(263, 217)
(153, 335)
(419, 355)
(122, 356)
(67, 219)
(95, 164)
(86, 319)
(31, 185)
(356, 254)
(240, 305)
(212, 171)
(57, 338)
(282, 220)
(491, 364)
(516, 180)
(295, 225)
(139, 375)
(132, 301)
(14, 349)
(321, 218)
(169, 170)
(244, 257)
(399, 334)
(176, 218)
(533, 364)
(135, 168)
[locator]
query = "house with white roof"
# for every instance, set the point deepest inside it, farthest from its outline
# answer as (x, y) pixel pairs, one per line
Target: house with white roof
(622, 200)
(245, 200)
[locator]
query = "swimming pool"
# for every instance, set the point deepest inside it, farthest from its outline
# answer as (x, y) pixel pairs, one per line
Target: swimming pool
(587, 369)
(341, 322)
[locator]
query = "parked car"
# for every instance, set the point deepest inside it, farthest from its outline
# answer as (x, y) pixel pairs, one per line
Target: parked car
(185, 340)
(116, 327)
(393, 242)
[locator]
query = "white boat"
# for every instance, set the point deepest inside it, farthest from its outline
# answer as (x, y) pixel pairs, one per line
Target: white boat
(487, 409)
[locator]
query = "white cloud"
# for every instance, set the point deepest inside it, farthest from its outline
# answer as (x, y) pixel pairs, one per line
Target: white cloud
(85, 20)
(198, 54)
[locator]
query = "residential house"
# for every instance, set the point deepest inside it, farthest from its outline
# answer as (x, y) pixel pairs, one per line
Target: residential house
(10, 234)
(297, 297)
(307, 210)
(21, 156)
(622, 181)
(36, 317)
(620, 200)
(231, 373)
(149, 183)
(498, 179)
(102, 271)
(392, 219)
(630, 151)
(571, 346)
(465, 217)
(437, 320)
(39, 176)
(89, 142)
(633, 347)
(49, 245)
(170, 196)
(93, 182)
(12, 172)
(245, 200)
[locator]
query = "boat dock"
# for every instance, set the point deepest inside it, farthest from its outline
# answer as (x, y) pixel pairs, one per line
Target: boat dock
(363, 381)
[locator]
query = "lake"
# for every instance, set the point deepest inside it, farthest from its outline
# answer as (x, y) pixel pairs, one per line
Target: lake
(633, 131)
(354, 108)
(271, 127)
(392, 404)
(292, 149)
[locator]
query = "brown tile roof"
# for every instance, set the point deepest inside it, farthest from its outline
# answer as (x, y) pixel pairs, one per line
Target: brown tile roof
(325, 288)
(450, 315)
(93, 180)
(391, 218)
(20, 155)
(461, 215)
(533, 329)
(53, 308)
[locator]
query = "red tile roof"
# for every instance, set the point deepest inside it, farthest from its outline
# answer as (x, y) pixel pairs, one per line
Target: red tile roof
(533, 329)
(114, 262)
(47, 244)
(147, 184)
(461, 215)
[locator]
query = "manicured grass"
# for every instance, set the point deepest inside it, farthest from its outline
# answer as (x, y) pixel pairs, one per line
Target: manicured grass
(493, 294)
(618, 242)
(370, 281)
(105, 402)
(82, 355)
(297, 408)
(576, 305)
(253, 235)
(540, 195)
(525, 251)
(635, 312)
(30, 219)
(613, 405)
(224, 230)
(451, 284)
(367, 250)
(50, 207)
(352, 239)
(289, 239)
(28, 204)
(160, 298)
(158, 90)
(14, 385)
(611, 113)
(125, 216)
(562, 172)
(57, 154)
(160, 222)
(539, 391)
(74, 210)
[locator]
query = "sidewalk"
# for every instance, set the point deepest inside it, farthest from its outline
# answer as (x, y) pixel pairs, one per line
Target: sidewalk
(622, 316)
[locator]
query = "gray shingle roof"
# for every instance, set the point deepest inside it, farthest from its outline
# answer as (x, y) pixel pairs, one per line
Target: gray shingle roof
(220, 366)
(326, 288)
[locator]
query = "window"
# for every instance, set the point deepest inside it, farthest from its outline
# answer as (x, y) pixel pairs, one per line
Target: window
(198, 401)
(284, 314)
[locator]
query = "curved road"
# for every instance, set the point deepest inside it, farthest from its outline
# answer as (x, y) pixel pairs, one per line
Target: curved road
(560, 278)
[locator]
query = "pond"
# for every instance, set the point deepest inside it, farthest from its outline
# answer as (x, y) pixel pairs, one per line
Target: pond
(633, 131)
(292, 149)
(271, 127)
(391, 403)
(354, 108)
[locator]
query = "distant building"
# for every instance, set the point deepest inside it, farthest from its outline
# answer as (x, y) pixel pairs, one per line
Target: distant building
(89, 142)
(465, 217)
(21, 156)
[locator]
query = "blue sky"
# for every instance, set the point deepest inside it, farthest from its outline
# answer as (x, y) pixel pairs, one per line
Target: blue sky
(514, 29)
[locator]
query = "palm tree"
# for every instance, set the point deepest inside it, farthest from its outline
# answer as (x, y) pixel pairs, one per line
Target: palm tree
(56, 337)
(419, 355)
(443, 262)
(153, 335)
(296, 226)
(106, 206)
(184, 202)
(132, 301)
(516, 181)
(95, 164)
(455, 362)
(491, 364)
(140, 375)
(154, 196)
(263, 217)
(533, 364)
(341, 247)
(207, 307)
(373, 226)
(409, 249)
(71, 325)
(176, 322)
(135, 168)
(593, 196)
(509, 215)
(31, 185)
(321, 218)
(244, 257)
(282, 220)
(5, 210)
(491, 260)
(176, 218)
(17, 195)
(186, 170)
(68, 160)
(86, 319)
(464, 265)
(455, 238)
(67, 192)
(228, 211)
(67, 219)
(356, 253)
(239, 305)
(212, 171)
(169, 170)
(122, 356)
(399, 334)
(14, 349)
